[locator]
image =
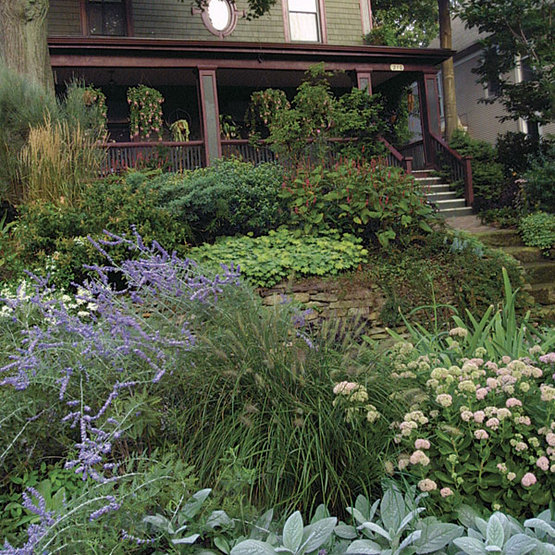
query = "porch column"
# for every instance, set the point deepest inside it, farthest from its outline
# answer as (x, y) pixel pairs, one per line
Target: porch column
(364, 80)
(428, 95)
(210, 113)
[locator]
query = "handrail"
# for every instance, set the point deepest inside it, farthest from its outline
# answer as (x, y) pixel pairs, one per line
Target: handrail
(459, 166)
(402, 161)
(150, 144)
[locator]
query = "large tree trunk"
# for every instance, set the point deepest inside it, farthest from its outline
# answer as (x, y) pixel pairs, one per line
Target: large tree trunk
(447, 70)
(23, 44)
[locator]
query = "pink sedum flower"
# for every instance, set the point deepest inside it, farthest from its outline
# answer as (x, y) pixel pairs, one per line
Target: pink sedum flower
(445, 492)
(512, 402)
(479, 416)
(427, 485)
(493, 423)
(421, 444)
(528, 480)
(481, 393)
(543, 463)
(481, 434)
(419, 457)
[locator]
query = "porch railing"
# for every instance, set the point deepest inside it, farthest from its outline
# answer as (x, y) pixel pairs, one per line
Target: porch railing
(395, 158)
(168, 155)
(459, 167)
(246, 151)
(416, 151)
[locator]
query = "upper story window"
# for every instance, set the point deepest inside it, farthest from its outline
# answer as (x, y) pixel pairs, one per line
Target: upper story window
(106, 18)
(304, 20)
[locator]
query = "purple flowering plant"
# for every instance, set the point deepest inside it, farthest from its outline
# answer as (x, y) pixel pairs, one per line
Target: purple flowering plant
(83, 371)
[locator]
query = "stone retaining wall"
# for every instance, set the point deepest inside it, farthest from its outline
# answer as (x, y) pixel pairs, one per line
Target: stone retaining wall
(334, 299)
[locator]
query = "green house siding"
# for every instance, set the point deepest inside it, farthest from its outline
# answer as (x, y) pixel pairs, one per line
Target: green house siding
(344, 22)
(64, 18)
(171, 19)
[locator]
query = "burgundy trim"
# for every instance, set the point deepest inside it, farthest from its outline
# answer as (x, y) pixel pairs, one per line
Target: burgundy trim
(285, 14)
(432, 56)
(323, 21)
(85, 21)
(129, 16)
(369, 8)
(364, 75)
(212, 73)
(139, 144)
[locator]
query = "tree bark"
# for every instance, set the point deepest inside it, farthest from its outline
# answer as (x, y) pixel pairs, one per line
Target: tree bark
(447, 70)
(23, 39)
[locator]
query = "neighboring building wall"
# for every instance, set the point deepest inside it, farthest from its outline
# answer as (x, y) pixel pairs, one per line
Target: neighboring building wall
(481, 120)
(171, 19)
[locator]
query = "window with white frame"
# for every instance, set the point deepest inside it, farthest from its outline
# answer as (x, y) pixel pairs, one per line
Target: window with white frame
(304, 20)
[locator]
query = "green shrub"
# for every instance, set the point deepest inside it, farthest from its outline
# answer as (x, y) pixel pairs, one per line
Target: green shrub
(487, 174)
(538, 230)
(370, 200)
(516, 151)
(54, 235)
(539, 183)
(268, 259)
(227, 198)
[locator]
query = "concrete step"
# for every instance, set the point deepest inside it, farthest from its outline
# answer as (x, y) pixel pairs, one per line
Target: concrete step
(442, 195)
(456, 212)
(543, 293)
(525, 254)
(450, 203)
(500, 238)
(426, 181)
(439, 188)
(540, 272)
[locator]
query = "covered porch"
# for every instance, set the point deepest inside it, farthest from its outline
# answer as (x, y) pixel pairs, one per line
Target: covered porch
(201, 80)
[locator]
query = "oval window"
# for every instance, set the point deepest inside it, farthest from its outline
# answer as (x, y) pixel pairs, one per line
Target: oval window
(219, 12)
(219, 16)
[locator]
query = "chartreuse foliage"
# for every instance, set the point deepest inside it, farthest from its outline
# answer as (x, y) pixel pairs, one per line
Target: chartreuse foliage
(538, 230)
(266, 260)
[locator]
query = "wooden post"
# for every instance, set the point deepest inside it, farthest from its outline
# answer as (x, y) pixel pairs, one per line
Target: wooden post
(468, 186)
(210, 114)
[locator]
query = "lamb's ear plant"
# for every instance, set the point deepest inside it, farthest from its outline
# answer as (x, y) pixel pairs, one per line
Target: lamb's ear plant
(503, 534)
(296, 538)
(398, 530)
(175, 529)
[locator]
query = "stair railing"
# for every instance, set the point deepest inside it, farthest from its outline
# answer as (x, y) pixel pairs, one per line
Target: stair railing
(395, 158)
(459, 167)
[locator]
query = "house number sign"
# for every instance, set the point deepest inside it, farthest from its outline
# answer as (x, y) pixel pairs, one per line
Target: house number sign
(397, 67)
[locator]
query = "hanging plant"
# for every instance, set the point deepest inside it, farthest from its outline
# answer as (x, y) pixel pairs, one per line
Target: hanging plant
(95, 101)
(146, 112)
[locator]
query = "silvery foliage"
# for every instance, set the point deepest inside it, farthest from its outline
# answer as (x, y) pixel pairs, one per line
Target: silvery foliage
(504, 534)
(176, 529)
(295, 538)
(392, 526)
